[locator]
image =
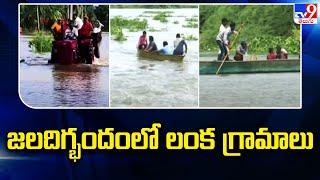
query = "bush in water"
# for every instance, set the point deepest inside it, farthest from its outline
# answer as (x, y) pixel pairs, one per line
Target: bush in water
(41, 42)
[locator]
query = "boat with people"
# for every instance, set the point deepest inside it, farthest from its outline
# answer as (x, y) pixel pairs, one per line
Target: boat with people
(158, 56)
(256, 66)
(151, 51)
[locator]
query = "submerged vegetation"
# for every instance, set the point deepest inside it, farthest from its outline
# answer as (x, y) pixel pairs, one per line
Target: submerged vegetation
(191, 38)
(119, 23)
(41, 42)
(263, 27)
(175, 22)
(162, 17)
(191, 24)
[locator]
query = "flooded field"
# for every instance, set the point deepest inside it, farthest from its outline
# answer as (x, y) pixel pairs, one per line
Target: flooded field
(250, 90)
(137, 82)
(44, 85)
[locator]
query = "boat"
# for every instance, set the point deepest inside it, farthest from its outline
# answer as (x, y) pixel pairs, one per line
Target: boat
(258, 66)
(160, 57)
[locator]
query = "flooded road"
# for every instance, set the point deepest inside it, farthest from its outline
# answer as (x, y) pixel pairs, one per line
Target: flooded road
(140, 82)
(250, 90)
(43, 85)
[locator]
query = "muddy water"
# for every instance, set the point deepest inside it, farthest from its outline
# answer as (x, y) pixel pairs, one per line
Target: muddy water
(250, 90)
(43, 85)
(140, 82)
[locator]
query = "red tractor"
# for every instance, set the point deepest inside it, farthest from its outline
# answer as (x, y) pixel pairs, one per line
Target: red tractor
(72, 51)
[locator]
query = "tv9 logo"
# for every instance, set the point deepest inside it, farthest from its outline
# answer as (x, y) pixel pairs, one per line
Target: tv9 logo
(306, 13)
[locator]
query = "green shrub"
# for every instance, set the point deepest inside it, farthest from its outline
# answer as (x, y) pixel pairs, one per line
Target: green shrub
(162, 17)
(191, 24)
(41, 42)
(191, 38)
(119, 23)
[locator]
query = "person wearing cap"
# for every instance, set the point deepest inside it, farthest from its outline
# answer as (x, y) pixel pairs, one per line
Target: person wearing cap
(86, 29)
(56, 30)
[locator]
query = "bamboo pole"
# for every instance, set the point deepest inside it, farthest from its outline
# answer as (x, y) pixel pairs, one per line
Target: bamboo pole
(38, 19)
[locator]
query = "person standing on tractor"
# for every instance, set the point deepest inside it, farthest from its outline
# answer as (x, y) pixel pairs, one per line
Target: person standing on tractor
(57, 30)
(77, 22)
(86, 29)
(97, 37)
(71, 32)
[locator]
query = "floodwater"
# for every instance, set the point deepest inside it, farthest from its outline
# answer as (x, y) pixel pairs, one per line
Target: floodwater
(137, 82)
(250, 90)
(44, 85)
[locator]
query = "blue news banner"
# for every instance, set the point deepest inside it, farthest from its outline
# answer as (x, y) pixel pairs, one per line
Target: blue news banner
(162, 163)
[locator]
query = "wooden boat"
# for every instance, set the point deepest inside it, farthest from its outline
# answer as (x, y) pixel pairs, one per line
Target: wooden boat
(157, 56)
(259, 66)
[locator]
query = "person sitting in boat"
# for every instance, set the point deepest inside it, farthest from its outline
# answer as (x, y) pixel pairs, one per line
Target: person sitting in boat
(181, 48)
(177, 40)
(272, 55)
(281, 53)
(57, 30)
(143, 41)
(165, 50)
(223, 41)
(71, 32)
(152, 45)
(86, 29)
(242, 50)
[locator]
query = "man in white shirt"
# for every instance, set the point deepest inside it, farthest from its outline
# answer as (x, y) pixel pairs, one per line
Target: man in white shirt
(224, 25)
(77, 22)
(222, 40)
(177, 40)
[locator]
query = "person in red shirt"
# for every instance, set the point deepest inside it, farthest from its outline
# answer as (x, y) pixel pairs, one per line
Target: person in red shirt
(86, 29)
(272, 55)
(143, 41)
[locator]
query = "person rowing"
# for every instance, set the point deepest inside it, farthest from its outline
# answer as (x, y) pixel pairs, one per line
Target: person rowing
(152, 45)
(223, 41)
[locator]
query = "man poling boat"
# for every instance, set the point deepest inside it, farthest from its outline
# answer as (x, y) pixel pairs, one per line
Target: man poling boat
(224, 42)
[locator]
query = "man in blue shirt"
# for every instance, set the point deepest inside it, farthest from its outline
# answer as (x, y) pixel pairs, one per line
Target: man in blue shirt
(165, 50)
